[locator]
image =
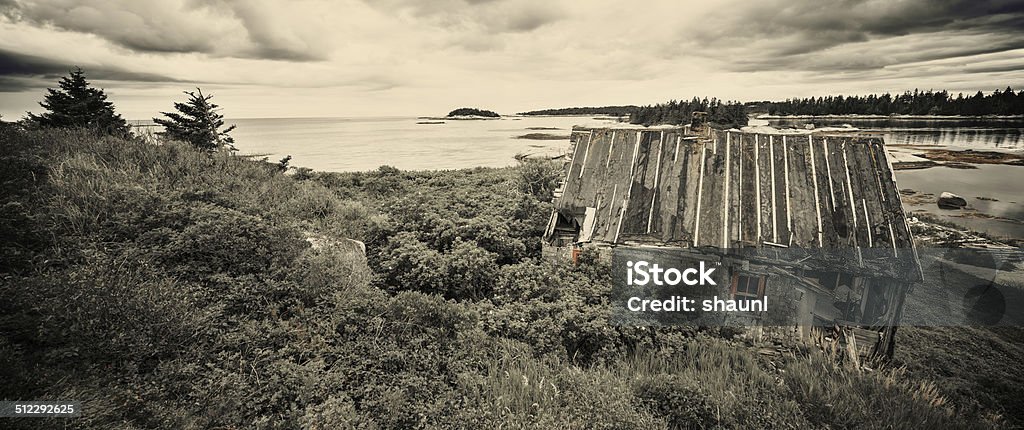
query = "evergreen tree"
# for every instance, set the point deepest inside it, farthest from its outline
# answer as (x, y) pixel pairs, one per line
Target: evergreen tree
(1000, 102)
(198, 123)
(78, 105)
(720, 114)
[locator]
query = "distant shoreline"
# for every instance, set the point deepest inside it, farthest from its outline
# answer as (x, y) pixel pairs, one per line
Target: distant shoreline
(894, 116)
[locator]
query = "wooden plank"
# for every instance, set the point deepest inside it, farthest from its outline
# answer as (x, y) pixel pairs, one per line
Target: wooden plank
(611, 150)
(727, 186)
(714, 188)
(858, 233)
(874, 218)
(766, 185)
(814, 180)
(842, 213)
(878, 166)
(602, 179)
(641, 189)
(749, 192)
(594, 180)
(657, 177)
(690, 161)
(735, 188)
(893, 205)
(700, 193)
(586, 153)
(570, 188)
(780, 196)
(619, 169)
(667, 200)
(867, 193)
(825, 192)
(803, 222)
(900, 230)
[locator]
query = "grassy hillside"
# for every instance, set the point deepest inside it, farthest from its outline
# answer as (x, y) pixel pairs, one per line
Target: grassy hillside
(170, 288)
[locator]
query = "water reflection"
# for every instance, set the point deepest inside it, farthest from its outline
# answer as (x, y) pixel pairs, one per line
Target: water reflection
(988, 133)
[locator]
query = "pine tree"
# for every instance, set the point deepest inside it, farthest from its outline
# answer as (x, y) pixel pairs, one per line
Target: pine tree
(78, 105)
(198, 123)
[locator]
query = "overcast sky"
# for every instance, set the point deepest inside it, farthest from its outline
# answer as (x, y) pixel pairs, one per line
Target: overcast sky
(264, 58)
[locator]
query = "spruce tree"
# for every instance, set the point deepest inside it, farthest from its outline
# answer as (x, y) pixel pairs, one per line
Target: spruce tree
(198, 123)
(78, 105)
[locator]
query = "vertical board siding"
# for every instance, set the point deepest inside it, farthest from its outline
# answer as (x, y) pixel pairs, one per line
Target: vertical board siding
(799, 190)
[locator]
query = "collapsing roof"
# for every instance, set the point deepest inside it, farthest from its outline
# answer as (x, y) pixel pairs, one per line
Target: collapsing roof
(730, 189)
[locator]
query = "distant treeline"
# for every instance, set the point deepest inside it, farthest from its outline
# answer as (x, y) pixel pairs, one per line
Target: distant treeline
(720, 114)
(1005, 102)
(602, 110)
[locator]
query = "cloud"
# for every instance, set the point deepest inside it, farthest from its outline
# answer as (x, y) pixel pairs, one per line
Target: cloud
(15, 64)
(479, 18)
(229, 28)
(846, 35)
(21, 71)
(358, 57)
(283, 31)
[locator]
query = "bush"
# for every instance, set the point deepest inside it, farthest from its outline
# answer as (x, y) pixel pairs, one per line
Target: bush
(335, 413)
(681, 402)
(538, 178)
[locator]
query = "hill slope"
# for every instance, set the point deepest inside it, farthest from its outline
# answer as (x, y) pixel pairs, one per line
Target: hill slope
(178, 290)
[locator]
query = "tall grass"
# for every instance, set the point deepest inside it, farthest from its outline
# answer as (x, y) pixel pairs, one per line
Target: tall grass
(98, 180)
(179, 290)
(711, 383)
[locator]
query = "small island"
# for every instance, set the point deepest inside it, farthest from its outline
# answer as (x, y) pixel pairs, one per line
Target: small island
(473, 112)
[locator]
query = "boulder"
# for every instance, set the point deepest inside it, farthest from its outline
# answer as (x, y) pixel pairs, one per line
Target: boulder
(949, 200)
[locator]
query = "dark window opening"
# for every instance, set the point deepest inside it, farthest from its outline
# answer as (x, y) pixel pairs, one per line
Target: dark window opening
(748, 287)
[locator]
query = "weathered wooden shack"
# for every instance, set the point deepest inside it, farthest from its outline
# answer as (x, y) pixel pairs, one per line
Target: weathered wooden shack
(813, 220)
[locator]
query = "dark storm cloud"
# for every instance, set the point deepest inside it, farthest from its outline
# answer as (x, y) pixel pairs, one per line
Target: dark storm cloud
(14, 64)
(20, 71)
(822, 35)
(226, 28)
(15, 85)
(875, 58)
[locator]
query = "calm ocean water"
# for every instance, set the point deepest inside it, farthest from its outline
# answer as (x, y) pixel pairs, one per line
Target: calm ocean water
(354, 144)
(996, 134)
